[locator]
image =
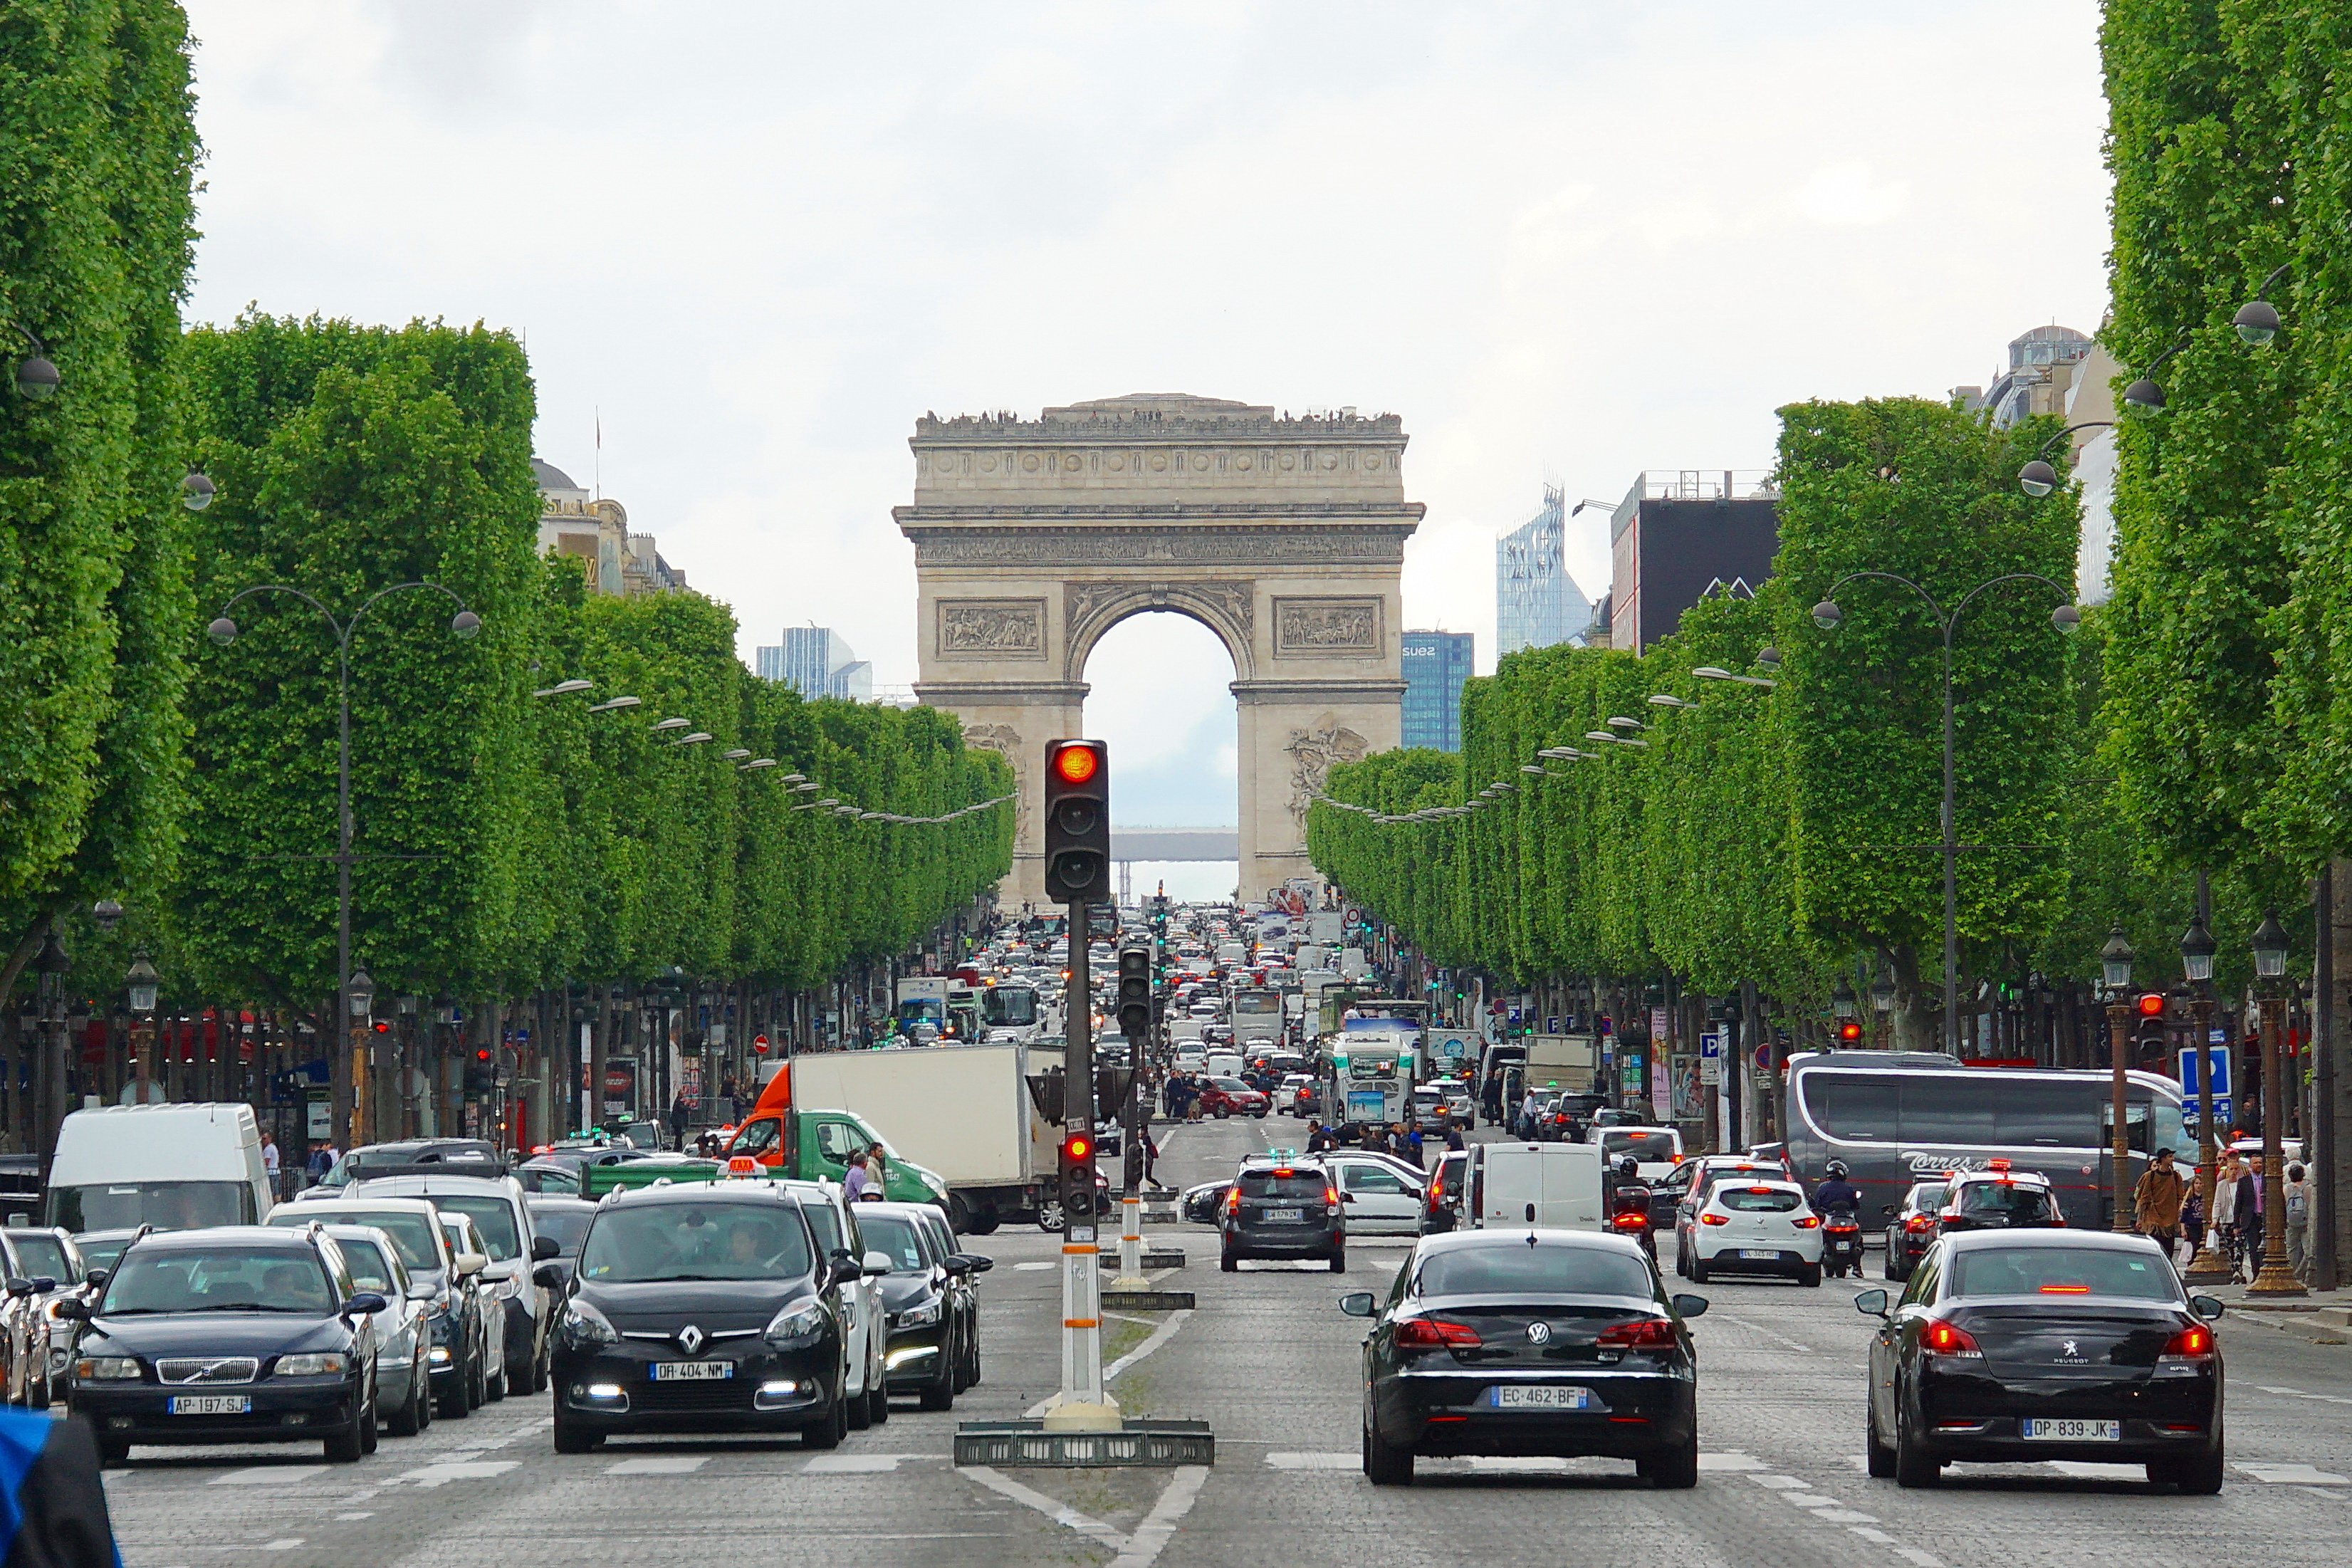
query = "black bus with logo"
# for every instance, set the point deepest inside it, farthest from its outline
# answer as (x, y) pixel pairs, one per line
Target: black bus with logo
(1897, 1117)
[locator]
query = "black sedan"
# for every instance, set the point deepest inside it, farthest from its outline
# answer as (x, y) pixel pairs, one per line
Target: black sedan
(698, 1308)
(1911, 1227)
(1549, 1342)
(2045, 1344)
(933, 1312)
(236, 1335)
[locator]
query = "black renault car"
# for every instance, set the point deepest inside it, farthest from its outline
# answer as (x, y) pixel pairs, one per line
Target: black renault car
(1284, 1207)
(2031, 1344)
(698, 1308)
(235, 1334)
(1529, 1342)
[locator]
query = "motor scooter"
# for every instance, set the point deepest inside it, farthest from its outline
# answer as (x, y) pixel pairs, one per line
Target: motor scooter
(1842, 1243)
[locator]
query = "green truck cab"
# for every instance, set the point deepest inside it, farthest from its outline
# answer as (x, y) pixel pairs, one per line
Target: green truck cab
(815, 1145)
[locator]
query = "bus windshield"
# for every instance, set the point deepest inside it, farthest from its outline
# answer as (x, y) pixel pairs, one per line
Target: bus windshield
(1010, 1006)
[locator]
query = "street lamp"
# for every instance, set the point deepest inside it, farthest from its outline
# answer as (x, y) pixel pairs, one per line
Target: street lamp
(2257, 319)
(107, 912)
(2274, 1279)
(464, 626)
(613, 705)
(2115, 973)
(144, 984)
(2037, 478)
(2197, 949)
(1827, 615)
(565, 689)
(36, 375)
(195, 491)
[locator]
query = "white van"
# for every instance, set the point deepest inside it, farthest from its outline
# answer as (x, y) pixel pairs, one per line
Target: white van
(175, 1167)
(1556, 1186)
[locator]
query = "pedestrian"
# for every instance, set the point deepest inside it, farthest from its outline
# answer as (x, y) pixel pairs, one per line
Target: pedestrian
(1412, 1148)
(680, 1110)
(269, 1162)
(2224, 1216)
(2156, 1203)
(321, 1160)
(1454, 1137)
(2192, 1221)
(1150, 1159)
(49, 1471)
(2296, 1196)
(855, 1180)
(2248, 1217)
(880, 1187)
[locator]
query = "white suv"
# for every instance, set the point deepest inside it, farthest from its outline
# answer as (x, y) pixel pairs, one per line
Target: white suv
(867, 1320)
(1763, 1227)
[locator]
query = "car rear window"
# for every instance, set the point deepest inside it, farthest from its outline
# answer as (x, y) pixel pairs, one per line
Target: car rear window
(2062, 1271)
(1278, 1184)
(1995, 1200)
(1642, 1143)
(1756, 1200)
(412, 1235)
(1517, 1268)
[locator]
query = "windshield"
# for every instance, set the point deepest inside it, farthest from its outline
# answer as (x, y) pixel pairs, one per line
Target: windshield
(889, 1234)
(2006, 1201)
(102, 1254)
(695, 1240)
(412, 1234)
(43, 1254)
(1543, 1270)
(494, 1218)
(166, 1206)
(1013, 1006)
(2064, 1271)
(219, 1279)
(563, 1227)
(371, 1269)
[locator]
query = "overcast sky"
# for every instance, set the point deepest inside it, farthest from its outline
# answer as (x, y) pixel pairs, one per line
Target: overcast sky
(1566, 240)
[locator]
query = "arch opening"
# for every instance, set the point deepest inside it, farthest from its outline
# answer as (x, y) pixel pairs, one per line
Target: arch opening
(1160, 691)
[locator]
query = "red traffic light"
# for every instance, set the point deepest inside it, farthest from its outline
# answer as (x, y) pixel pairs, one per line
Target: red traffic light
(2151, 1005)
(381, 1027)
(1849, 1031)
(482, 1054)
(1077, 1147)
(1077, 764)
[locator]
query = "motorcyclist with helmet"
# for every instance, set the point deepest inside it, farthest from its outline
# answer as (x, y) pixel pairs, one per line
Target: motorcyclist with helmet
(1836, 1192)
(1629, 1206)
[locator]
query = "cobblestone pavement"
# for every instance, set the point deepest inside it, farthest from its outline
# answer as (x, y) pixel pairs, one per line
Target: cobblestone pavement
(1270, 1362)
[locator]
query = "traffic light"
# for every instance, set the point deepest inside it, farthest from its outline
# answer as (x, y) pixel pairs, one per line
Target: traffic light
(480, 1078)
(1077, 822)
(1078, 1179)
(2151, 1005)
(1134, 991)
(1849, 1031)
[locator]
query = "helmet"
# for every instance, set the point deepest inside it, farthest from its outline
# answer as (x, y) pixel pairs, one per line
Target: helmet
(1629, 1167)
(1837, 1170)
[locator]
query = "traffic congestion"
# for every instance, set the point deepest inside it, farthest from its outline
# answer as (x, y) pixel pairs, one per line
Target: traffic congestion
(1550, 1287)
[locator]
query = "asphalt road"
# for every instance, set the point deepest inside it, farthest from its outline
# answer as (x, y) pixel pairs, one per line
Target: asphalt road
(1270, 1362)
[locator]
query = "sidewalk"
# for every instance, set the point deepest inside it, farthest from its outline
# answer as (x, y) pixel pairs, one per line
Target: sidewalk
(2322, 1317)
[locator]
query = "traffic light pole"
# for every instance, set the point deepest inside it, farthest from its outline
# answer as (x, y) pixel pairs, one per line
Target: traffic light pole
(1082, 1406)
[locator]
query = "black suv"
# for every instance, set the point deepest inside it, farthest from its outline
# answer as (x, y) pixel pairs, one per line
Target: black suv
(1284, 1207)
(699, 1308)
(235, 1334)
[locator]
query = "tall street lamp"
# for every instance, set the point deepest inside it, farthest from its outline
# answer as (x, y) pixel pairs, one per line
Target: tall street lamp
(51, 965)
(1826, 615)
(2197, 949)
(2275, 1278)
(464, 625)
(142, 983)
(2115, 974)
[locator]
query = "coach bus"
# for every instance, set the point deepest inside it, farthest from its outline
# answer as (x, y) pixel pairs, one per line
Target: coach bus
(1900, 1117)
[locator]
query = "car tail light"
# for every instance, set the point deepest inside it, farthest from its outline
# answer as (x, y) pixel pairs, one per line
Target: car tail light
(1940, 1337)
(1632, 1219)
(1807, 1222)
(1713, 1219)
(1233, 1200)
(2194, 1343)
(1435, 1333)
(1641, 1334)
(1919, 1223)
(1331, 1197)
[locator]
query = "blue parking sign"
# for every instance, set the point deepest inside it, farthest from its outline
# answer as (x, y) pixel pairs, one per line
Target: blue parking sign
(2189, 1090)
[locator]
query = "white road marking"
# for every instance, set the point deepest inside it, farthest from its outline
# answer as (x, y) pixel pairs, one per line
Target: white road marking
(362, 1513)
(1314, 1461)
(1151, 1537)
(2098, 1471)
(474, 1470)
(284, 1544)
(1782, 1483)
(1060, 1513)
(2273, 1388)
(1915, 1557)
(270, 1475)
(1731, 1461)
(1876, 1537)
(858, 1464)
(2293, 1474)
(1807, 1499)
(1493, 1463)
(684, 1466)
(1158, 1336)
(1847, 1516)
(1035, 1267)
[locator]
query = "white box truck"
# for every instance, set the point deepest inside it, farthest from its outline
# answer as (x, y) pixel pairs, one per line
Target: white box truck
(964, 1111)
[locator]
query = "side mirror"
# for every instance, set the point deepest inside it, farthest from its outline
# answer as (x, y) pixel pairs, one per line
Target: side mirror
(876, 1264)
(549, 1276)
(44, 1283)
(1871, 1303)
(71, 1308)
(542, 1249)
(2206, 1306)
(1886, 1209)
(1347, 1197)
(421, 1292)
(20, 1288)
(842, 1270)
(470, 1264)
(1358, 1304)
(972, 1262)
(1691, 1306)
(365, 1303)
(957, 1265)
(96, 1280)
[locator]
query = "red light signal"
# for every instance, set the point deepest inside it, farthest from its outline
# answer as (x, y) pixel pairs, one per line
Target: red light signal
(1076, 764)
(2151, 1005)
(381, 1027)
(1849, 1031)
(1077, 1148)
(482, 1054)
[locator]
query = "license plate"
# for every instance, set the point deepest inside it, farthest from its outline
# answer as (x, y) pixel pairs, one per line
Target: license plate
(1539, 1397)
(212, 1405)
(1285, 1217)
(2041, 1431)
(692, 1371)
(1760, 1254)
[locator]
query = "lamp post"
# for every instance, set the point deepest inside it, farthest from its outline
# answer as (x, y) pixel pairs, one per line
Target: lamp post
(1826, 615)
(2197, 948)
(1882, 1001)
(2275, 1278)
(358, 1002)
(2115, 972)
(51, 963)
(142, 983)
(464, 625)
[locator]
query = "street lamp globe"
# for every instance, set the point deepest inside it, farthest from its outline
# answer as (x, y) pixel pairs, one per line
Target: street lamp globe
(107, 912)
(2270, 947)
(36, 377)
(1841, 1000)
(2197, 949)
(2115, 961)
(1882, 992)
(2144, 396)
(2257, 322)
(142, 983)
(1767, 658)
(195, 491)
(464, 623)
(2037, 477)
(2065, 618)
(1826, 615)
(222, 631)
(361, 993)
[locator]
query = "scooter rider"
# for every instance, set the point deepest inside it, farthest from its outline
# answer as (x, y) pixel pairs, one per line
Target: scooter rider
(1837, 1192)
(1630, 1195)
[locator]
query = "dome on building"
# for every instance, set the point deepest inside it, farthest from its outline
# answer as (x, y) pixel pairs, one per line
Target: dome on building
(2051, 344)
(551, 477)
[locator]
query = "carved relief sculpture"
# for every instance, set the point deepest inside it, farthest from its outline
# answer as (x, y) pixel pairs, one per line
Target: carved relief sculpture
(1324, 626)
(1005, 742)
(991, 628)
(1312, 754)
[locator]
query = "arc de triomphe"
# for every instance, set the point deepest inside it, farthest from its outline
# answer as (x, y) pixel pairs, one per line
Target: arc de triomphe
(1284, 537)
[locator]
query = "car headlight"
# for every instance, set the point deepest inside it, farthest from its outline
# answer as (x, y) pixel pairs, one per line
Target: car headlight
(327, 1365)
(796, 1325)
(585, 1325)
(107, 1368)
(919, 1317)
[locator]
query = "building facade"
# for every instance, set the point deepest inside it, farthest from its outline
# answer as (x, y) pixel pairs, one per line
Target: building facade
(816, 661)
(1436, 665)
(1537, 602)
(595, 533)
(1680, 535)
(2057, 370)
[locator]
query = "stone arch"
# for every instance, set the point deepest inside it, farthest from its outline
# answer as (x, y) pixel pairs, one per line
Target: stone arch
(1090, 609)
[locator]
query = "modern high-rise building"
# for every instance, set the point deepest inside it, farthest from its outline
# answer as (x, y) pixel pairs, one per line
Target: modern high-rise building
(1436, 664)
(1537, 602)
(816, 662)
(1680, 535)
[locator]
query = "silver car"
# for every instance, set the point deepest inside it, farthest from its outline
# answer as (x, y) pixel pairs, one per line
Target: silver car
(404, 1372)
(867, 1318)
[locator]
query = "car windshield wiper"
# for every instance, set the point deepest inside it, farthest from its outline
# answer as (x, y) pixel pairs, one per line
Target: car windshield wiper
(246, 1306)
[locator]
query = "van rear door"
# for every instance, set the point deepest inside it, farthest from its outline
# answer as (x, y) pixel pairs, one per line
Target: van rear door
(1572, 1186)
